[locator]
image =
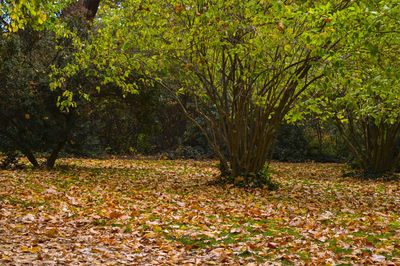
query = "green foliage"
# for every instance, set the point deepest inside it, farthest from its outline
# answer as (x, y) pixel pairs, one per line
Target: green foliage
(235, 68)
(310, 139)
(291, 144)
(31, 121)
(126, 124)
(360, 92)
(245, 63)
(25, 104)
(38, 14)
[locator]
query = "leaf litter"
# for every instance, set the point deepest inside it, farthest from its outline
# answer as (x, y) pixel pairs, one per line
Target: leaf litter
(119, 211)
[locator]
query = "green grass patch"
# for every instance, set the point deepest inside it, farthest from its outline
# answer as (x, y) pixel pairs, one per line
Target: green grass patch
(340, 250)
(195, 242)
(100, 222)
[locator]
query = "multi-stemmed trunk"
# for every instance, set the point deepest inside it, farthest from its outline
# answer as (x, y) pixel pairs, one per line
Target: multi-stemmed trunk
(242, 118)
(375, 146)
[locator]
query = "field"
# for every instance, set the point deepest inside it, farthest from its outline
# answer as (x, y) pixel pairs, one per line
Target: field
(157, 211)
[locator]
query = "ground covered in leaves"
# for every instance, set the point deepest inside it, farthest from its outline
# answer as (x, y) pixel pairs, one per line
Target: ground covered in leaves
(153, 211)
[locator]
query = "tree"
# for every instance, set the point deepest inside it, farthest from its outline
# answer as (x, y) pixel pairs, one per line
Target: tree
(29, 116)
(362, 93)
(245, 64)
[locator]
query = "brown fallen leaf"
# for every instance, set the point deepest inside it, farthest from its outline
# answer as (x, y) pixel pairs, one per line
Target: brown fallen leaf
(115, 215)
(53, 232)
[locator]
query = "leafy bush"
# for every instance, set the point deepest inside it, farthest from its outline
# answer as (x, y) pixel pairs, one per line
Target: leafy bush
(30, 118)
(292, 144)
(10, 161)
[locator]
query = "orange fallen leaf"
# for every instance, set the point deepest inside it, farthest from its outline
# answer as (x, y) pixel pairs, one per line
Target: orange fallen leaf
(115, 215)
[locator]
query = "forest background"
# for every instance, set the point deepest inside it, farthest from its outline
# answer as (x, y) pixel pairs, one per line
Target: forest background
(54, 102)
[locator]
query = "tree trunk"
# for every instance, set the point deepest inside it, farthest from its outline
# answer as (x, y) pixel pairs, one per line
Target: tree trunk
(378, 154)
(23, 148)
(84, 8)
(54, 154)
(61, 143)
(31, 158)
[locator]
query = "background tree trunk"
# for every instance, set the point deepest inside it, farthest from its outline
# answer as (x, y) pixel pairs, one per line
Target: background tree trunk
(84, 8)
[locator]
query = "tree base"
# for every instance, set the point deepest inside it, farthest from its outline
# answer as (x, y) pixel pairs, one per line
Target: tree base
(261, 179)
(372, 175)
